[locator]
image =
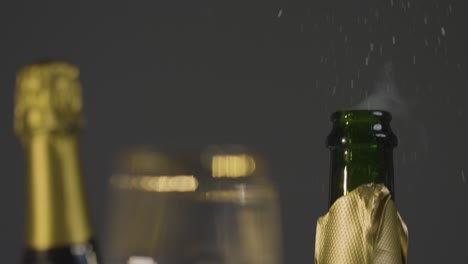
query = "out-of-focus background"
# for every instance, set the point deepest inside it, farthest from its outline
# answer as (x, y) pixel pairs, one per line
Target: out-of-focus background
(263, 73)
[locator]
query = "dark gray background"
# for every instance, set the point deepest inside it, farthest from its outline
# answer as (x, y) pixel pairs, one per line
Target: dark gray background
(264, 73)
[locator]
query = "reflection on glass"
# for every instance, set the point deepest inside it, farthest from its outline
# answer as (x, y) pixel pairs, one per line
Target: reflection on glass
(345, 181)
(217, 207)
(140, 260)
(176, 183)
(232, 165)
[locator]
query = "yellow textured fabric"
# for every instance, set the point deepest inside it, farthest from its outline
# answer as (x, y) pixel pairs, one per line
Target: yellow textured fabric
(362, 227)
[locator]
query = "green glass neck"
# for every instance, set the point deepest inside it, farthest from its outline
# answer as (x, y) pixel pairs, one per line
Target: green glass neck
(361, 144)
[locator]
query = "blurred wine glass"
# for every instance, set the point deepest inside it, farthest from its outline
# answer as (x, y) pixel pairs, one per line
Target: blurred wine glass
(215, 206)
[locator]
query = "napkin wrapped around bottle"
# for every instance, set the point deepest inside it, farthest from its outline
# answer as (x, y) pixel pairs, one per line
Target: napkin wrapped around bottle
(362, 227)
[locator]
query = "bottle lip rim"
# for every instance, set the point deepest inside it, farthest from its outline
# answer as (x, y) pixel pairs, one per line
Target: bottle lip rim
(359, 114)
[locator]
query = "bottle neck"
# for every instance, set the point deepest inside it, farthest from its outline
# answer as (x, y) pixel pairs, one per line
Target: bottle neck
(353, 166)
(56, 211)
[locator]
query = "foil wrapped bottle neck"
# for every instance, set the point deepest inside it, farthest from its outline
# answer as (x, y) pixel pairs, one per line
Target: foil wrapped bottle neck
(48, 99)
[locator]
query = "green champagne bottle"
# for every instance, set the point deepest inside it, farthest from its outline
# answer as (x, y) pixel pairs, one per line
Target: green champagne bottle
(362, 224)
(48, 119)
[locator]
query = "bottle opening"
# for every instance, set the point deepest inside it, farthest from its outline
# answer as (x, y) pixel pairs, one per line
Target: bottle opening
(361, 128)
(361, 116)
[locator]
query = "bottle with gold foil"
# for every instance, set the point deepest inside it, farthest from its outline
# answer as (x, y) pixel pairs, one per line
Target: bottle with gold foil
(362, 225)
(48, 119)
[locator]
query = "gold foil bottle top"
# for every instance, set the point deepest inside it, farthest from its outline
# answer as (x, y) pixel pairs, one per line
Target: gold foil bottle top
(48, 98)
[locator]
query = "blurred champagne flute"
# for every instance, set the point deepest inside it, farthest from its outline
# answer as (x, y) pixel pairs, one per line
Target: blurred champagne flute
(215, 206)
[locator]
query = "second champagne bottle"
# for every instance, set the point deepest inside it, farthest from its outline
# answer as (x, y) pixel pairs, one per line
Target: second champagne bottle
(48, 120)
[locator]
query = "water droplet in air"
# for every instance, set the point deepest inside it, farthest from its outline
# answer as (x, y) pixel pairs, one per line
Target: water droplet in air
(367, 61)
(463, 176)
(371, 46)
(352, 84)
(393, 40)
(442, 31)
(414, 59)
(403, 6)
(280, 13)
